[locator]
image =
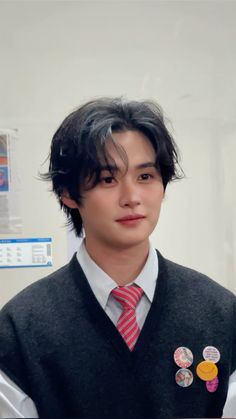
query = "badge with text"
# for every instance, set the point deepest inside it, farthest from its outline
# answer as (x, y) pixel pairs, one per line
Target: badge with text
(210, 353)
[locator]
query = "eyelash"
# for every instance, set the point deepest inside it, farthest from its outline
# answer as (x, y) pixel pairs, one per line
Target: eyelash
(103, 179)
(147, 174)
(111, 178)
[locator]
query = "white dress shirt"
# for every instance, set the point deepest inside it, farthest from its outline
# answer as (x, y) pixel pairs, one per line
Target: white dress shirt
(14, 403)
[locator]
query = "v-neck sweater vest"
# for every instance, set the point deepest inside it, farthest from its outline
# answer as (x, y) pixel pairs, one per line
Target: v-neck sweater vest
(59, 346)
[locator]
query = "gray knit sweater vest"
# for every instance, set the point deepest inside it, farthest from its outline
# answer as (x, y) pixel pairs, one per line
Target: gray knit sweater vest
(59, 346)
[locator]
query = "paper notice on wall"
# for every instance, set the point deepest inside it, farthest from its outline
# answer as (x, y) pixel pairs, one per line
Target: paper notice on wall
(10, 212)
(25, 253)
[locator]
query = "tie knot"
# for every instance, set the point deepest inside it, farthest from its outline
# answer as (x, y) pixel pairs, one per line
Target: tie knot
(128, 296)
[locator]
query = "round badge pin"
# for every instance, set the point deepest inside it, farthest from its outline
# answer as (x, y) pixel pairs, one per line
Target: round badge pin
(212, 385)
(210, 353)
(206, 370)
(184, 377)
(183, 357)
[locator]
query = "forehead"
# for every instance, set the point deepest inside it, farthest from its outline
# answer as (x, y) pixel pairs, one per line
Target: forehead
(132, 144)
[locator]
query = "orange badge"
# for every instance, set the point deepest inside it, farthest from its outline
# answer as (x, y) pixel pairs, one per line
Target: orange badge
(207, 370)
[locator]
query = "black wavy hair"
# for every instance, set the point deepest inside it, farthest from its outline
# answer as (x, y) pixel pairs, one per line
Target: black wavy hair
(78, 148)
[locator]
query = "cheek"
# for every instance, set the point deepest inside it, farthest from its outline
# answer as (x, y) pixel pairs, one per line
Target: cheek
(95, 209)
(154, 199)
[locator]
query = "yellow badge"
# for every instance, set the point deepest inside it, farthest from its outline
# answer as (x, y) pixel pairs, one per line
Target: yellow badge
(207, 370)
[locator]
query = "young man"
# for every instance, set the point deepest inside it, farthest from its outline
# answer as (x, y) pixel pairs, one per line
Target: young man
(120, 331)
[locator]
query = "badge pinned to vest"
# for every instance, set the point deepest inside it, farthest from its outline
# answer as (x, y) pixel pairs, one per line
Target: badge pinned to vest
(206, 370)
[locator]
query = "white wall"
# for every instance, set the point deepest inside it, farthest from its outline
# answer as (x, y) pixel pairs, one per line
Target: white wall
(55, 55)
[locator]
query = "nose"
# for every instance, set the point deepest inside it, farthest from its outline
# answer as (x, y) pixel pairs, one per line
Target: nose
(129, 194)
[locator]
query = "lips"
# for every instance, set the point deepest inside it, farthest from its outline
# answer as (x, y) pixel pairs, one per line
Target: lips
(131, 218)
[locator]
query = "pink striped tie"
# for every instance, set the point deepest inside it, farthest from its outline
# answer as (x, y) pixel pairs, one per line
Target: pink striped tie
(127, 324)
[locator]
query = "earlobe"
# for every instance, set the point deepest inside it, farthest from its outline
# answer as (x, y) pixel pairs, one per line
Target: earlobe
(70, 203)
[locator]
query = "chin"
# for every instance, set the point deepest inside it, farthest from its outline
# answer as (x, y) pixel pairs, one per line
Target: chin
(132, 242)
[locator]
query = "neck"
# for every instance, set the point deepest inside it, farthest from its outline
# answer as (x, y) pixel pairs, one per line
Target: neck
(122, 265)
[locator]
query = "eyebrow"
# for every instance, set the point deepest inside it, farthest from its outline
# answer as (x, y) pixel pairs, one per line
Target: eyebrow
(145, 165)
(114, 168)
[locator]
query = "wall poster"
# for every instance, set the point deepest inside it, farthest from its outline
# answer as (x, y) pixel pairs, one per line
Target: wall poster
(10, 214)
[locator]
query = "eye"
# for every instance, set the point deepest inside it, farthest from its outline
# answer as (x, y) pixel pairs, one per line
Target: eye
(145, 176)
(107, 180)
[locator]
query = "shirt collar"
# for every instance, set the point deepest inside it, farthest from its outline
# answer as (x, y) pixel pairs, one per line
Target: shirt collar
(102, 284)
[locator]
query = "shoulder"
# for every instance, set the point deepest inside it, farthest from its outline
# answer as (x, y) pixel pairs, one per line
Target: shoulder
(44, 293)
(188, 281)
(201, 305)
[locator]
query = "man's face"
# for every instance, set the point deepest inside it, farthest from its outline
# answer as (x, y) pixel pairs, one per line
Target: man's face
(123, 210)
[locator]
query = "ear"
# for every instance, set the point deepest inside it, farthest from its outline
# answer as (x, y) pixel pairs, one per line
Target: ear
(70, 203)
